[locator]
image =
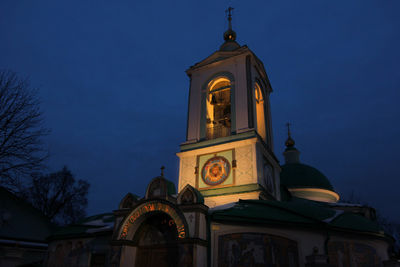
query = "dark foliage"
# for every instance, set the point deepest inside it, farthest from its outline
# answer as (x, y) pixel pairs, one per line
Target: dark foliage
(21, 130)
(59, 196)
(390, 227)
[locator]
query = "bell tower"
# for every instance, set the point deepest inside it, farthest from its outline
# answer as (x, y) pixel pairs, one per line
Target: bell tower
(228, 152)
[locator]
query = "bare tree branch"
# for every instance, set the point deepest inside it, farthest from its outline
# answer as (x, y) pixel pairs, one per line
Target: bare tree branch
(59, 196)
(21, 131)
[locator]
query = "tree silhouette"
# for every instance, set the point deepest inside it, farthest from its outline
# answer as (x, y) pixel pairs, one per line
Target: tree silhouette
(21, 130)
(59, 196)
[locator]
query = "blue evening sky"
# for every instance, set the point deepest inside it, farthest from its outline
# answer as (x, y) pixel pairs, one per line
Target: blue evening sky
(114, 91)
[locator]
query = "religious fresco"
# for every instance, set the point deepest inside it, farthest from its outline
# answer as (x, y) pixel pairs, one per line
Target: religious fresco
(352, 254)
(216, 169)
(256, 250)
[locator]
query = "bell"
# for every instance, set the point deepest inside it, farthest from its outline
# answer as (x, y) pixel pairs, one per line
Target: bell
(213, 100)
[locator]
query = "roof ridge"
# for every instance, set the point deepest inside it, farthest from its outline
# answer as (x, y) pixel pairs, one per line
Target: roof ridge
(284, 208)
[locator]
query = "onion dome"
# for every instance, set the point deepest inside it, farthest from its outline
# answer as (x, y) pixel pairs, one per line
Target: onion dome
(307, 182)
(289, 142)
(160, 187)
(292, 155)
(229, 35)
(304, 181)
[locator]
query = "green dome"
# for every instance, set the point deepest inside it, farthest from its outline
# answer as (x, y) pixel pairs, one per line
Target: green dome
(297, 175)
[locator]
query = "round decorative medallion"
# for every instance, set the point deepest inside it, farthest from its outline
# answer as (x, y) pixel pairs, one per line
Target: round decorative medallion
(215, 170)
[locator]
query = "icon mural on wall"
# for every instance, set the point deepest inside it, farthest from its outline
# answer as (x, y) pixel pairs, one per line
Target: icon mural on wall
(352, 254)
(256, 249)
(215, 170)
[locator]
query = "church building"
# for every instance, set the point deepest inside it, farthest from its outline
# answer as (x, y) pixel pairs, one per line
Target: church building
(235, 204)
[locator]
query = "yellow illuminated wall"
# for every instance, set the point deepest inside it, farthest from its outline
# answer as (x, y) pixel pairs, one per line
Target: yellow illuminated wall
(260, 112)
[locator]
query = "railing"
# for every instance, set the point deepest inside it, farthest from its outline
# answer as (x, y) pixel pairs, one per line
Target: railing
(217, 131)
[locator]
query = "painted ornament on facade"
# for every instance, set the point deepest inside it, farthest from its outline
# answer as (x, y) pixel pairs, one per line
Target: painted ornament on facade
(215, 171)
(153, 206)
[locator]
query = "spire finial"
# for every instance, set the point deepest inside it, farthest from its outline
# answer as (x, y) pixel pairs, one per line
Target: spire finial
(289, 142)
(229, 35)
(229, 12)
(288, 129)
(162, 171)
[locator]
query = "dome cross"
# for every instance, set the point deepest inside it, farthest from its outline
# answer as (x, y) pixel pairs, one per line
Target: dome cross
(229, 13)
(289, 142)
(229, 35)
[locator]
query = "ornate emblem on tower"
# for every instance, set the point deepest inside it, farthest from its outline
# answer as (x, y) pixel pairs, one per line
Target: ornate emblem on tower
(215, 171)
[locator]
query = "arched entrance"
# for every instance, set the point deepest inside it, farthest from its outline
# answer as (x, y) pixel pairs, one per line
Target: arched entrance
(157, 239)
(154, 234)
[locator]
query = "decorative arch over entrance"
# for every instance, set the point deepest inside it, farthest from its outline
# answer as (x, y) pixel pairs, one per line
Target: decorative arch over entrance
(138, 215)
(155, 233)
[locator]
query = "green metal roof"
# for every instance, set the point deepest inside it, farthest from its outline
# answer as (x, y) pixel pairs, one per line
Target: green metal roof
(295, 212)
(170, 187)
(352, 221)
(298, 175)
(285, 194)
(264, 211)
(169, 184)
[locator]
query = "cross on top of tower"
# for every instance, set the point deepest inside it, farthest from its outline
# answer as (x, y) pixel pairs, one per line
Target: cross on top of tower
(229, 12)
(288, 128)
(289, 142)
(229, 35)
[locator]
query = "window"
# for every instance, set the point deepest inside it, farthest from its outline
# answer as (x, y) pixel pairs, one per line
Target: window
(218, 112)
(260, 111)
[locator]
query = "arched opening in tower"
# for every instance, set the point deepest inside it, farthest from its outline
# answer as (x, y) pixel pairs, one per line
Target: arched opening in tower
(218, 121)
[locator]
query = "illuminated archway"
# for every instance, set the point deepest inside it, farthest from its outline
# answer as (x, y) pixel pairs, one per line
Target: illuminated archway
(218, 108)
(153, 234)
(260, 112)
(138, 215)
